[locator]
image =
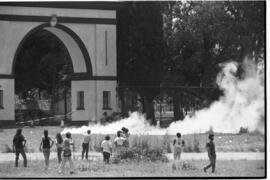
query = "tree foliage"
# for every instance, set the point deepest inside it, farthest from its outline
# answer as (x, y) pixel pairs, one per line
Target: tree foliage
(201, 34)
(40, 63)
(141, 50)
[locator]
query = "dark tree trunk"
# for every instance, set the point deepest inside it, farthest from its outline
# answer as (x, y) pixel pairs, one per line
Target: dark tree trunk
(148, 109)
(176, 106)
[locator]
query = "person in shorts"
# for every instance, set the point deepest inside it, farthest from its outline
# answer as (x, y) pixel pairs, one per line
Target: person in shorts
(45, 146)
(67, 154)
(85, 144)
(106, 146)
(178, 144)
(211, 153)
(59, 146)
(19, 144)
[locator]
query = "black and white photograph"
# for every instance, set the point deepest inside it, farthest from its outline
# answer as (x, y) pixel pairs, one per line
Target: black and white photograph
(133, 89)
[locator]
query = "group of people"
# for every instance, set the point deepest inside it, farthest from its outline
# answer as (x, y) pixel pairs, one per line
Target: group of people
(65, 146)
(121, 142)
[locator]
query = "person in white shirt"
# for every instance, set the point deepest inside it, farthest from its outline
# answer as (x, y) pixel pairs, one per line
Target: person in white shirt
(119, 142)
(85, 144)
(106, 146)
(178, 145)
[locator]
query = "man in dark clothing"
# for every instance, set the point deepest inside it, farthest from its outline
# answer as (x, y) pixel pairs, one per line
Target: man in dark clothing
(19, 144)
(211, 153)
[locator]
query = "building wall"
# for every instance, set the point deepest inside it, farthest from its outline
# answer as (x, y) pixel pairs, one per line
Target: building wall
(11, 34)
(41, 11)
(102, 68)
(106, 86)
(7, 113)
(93, 37)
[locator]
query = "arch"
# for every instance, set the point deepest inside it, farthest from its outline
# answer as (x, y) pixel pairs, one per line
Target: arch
(72, 35)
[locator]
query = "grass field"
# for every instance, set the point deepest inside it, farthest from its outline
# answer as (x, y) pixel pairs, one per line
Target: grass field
(239, 168)
(193, 142)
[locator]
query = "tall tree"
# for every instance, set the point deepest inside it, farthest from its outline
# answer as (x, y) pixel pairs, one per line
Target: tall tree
(141, 50)
(200, 35)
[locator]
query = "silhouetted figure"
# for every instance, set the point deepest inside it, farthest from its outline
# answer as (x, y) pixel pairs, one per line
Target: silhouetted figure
(59, 146)
(19, 143)
(211, 153)
(45, 146)
(85, 144)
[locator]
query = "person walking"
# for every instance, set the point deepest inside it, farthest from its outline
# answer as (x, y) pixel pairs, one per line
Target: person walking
(67, 153)
(45, 146)
(178, 144)
(59, 146)
(19, 144)
(106, 146)
(85, 144)
(211, 153)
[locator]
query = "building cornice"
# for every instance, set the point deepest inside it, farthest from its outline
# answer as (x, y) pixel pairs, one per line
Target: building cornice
(79, 20)
(67, 5)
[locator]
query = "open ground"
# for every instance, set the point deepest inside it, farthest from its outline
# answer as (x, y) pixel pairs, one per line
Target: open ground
(237, 155)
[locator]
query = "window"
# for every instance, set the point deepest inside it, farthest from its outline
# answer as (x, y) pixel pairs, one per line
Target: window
(80, 100)
(106, 100)
(106, 48)
(1, 99)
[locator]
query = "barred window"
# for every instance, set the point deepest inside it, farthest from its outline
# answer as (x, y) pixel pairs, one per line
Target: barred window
(80, 100)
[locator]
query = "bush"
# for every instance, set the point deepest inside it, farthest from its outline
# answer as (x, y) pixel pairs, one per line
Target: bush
(243, 130)
(193, 146)
(7, 149)
(196, 144)
(29, 150)
(188, 166)
(139, 154)
(166, 143)
(188, 147)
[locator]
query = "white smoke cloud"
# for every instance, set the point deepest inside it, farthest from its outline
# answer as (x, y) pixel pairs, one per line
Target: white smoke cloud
(242, 105)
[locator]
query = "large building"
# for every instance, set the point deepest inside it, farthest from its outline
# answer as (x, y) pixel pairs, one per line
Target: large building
(87, 30)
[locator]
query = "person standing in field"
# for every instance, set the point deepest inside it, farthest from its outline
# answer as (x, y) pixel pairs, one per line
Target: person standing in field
(67, 153)
(45, 146)
(178, 144)
(106, 147)
(126, 135)
(19, 144)
(211, 153)
(119, 143)
(59, 146)
(85, 144)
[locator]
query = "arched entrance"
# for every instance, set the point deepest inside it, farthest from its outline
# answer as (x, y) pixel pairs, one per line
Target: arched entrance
(70, 40)
(43, 70)
(84, 32)
(42, 80)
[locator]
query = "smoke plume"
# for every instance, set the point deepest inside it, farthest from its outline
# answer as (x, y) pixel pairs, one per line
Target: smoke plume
(241, 105)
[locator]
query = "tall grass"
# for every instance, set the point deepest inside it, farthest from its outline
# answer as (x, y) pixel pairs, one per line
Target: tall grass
(246, 142)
